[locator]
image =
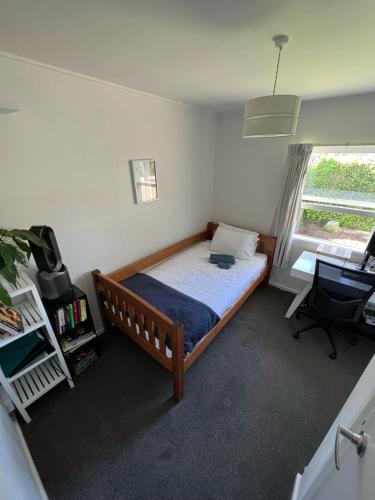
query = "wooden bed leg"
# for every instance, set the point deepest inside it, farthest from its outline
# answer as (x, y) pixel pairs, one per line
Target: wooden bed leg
(266, 280)
(106, 323)
(178, 362)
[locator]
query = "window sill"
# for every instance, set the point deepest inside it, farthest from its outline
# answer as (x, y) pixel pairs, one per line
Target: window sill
(307, 239)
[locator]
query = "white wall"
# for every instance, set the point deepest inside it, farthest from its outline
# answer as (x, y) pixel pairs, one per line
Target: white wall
(249, 172)
(18, 476)
(64, 163)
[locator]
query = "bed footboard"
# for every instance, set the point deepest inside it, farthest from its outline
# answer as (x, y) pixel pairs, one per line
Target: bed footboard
(149, 328)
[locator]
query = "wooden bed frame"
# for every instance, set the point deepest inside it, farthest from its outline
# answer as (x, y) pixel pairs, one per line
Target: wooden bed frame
(130, 313)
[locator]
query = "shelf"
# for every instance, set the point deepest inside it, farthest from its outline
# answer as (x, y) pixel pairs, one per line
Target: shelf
(24, 284)
(67, 350)
(33, 364)
(38, 381)
(32, 320)
(47, 369)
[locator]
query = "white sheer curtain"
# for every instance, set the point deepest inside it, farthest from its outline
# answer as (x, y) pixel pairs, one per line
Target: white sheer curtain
(290, 200)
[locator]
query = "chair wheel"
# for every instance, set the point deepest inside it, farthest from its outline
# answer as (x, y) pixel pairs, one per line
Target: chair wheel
(333, 355)
(296, 335)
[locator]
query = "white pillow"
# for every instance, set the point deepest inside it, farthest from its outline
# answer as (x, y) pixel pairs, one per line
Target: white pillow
(235, 241)
(255, 236)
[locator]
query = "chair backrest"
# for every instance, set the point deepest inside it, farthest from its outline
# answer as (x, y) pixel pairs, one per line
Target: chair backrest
(339, 293)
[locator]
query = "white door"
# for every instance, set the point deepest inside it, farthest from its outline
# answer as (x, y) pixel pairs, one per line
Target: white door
(355, 479)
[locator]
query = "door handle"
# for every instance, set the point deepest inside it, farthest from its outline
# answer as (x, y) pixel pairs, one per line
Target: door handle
(359, 441)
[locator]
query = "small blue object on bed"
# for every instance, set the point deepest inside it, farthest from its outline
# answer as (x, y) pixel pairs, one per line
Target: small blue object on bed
(198, 319)
(222, 261)
(217, 258)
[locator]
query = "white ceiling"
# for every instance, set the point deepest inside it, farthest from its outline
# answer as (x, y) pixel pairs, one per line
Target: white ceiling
(215, 53)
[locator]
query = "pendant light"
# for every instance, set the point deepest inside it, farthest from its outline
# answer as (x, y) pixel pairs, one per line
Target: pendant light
(272, 115)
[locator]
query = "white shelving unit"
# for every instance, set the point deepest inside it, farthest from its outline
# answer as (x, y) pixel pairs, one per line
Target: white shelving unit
(44, 372)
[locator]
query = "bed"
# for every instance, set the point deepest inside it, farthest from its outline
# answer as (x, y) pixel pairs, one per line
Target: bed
(142, 299)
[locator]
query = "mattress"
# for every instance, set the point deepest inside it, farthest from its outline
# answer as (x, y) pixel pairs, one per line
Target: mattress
(190, 273)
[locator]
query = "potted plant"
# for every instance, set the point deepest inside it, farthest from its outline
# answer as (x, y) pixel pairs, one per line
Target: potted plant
(15, 251)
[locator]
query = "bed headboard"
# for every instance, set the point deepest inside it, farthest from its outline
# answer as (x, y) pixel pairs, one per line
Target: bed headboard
(266, 243)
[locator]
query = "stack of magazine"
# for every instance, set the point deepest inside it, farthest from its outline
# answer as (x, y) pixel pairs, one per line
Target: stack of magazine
(81, 360)
(10, 321)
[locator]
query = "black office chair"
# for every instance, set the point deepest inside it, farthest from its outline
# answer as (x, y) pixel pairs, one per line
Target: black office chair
(337, 297)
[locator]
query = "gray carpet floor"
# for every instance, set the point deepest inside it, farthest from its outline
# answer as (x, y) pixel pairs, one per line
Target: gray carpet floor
(257, 405)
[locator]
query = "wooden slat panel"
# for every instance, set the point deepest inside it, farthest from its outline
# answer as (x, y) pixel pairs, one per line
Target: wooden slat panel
(141, 322)
(131, 312)
(162, 338)
(151, 332)
(134, 302)
(146, 345)
(138, 312)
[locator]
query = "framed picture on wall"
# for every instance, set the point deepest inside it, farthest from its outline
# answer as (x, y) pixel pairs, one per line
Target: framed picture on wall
(143, 173)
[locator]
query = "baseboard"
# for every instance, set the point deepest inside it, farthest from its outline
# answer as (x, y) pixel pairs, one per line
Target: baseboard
(283, 287)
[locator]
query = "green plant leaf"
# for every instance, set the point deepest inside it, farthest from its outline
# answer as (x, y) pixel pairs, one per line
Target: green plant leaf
(10, 273)
(8, 253)
(20, 257)
(24, 234)
(23, 246)
(5, 297)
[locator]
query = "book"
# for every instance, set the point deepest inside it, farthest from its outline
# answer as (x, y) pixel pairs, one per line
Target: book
(5, 335)
(67, 343)
(72, 324)
(75, 312)
(83, 309)
(61, 317)
(10, 319)
(67, 317)
(79, 361)
(78, 303)
(57, 323)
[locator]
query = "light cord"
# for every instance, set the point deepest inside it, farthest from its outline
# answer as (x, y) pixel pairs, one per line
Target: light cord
(277, 70)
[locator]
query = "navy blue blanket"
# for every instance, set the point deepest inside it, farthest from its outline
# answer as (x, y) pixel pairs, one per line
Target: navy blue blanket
(197, 318)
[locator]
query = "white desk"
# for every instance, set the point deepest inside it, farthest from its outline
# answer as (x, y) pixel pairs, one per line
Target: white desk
(304, 269)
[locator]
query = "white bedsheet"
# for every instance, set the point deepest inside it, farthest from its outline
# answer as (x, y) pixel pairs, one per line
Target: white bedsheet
(191, 273)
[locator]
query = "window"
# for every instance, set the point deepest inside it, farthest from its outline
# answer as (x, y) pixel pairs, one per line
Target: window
(338, 201)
